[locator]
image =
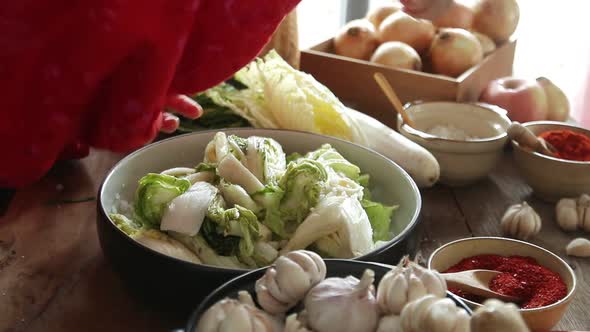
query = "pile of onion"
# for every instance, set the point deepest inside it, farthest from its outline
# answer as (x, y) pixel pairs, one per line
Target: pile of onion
(496, 18)
(357, 39)
(450, 44)
(397, 55)
(453, 51)
(417, 33)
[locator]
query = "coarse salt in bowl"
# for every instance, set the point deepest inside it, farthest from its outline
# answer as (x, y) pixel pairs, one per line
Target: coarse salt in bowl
(467, 139)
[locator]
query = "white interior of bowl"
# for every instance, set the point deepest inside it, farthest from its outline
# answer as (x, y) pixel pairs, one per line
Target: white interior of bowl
(482, 122)
(389, 183)
(452, 253)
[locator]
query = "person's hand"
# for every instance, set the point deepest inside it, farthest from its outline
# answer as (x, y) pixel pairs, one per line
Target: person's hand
(182, 105)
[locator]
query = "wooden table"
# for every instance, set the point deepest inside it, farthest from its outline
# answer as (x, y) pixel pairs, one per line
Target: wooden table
(53, 276)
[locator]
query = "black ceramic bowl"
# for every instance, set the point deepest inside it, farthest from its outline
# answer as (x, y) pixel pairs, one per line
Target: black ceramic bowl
(162, 278)
(335, 268)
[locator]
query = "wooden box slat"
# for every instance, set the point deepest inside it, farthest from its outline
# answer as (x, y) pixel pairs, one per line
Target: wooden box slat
(352, 80)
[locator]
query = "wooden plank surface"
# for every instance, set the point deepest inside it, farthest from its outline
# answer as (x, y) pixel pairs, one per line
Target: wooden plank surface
(53, 276)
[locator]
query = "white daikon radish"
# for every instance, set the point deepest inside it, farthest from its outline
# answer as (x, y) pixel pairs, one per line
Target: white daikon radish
(413, 158)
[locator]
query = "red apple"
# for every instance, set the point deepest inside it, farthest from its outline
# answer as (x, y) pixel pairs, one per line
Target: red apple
(524, 99)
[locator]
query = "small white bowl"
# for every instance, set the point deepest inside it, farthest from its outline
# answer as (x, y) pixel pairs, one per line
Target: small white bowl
(537, 319)
(461, 161)
(552, 178)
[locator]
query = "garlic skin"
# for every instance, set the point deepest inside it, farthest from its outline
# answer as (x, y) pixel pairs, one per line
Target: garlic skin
(583, 210)
(237, 315)
(496, 315)
(406, 282)
(288, 280)
(567, 214)
(521, 221)
(579, 247)
(390, 323)
(343, 305)
(293, 324)
(433, 314)
(572, 214)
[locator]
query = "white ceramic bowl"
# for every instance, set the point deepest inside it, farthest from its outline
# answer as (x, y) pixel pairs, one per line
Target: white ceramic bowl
(552, 178)
(461, 161)
(538, 319)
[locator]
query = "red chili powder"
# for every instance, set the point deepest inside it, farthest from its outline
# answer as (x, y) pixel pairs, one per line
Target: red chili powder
(569, 145)
(524, 278)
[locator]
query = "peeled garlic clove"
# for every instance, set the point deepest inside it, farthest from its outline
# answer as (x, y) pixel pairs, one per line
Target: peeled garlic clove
(583, 210)
(579, 247)
(495, 315)
(521, 221)
(390, 323)
(566, 214)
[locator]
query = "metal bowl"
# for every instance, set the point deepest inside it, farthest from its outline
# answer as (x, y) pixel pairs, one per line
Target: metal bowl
(335, 268)
(161, 278)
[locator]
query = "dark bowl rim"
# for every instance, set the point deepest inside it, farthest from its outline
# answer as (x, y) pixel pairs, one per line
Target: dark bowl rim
(197, 312)
(395, 240)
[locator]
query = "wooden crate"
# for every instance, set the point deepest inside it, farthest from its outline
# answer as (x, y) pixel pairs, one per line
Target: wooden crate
(352, 80)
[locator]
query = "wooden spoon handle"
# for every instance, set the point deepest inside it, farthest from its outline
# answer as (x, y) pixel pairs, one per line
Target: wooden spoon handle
(526, 138)
(393, 98)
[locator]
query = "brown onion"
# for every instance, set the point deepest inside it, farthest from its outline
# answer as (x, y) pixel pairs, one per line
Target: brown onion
(453, 51)
(457, 15)
(378, 14)
(417, 33)
(397, 55)
(487, 44)
(357, 39)
(496, 18)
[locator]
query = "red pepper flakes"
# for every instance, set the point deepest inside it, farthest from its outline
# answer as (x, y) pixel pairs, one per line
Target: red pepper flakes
(570, 145)
(524, 277)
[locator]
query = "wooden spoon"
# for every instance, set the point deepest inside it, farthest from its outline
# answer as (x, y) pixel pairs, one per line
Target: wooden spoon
(476, 282)
(393, 99)
(526, 138)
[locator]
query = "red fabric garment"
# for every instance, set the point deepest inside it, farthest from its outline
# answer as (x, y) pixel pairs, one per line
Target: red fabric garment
(79, 73)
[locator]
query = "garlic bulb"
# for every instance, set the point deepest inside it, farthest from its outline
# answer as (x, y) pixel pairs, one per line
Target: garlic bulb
(288, 280)
(406, 282)
(433, 314)
(521, 221)
(390, 323)
(495, 315)
(567, 214)
(237, 315)
(572, 213)
(293, 324)
(343, 305)
(584, 212)
(579, 247)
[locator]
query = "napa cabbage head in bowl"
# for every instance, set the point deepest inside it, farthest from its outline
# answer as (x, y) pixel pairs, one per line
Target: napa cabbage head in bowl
(247, 201)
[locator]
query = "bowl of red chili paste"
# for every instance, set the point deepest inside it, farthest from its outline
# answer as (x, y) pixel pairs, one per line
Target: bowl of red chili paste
(565, 175)
(545, 282)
